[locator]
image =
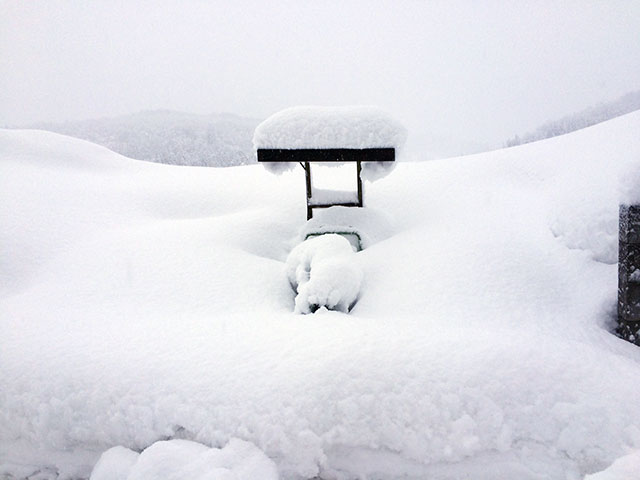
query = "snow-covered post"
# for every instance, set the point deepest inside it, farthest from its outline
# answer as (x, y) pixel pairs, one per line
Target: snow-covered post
(629, 274)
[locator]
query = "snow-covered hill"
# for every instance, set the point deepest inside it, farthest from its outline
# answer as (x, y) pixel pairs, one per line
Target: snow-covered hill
(145, 302)
(602, 112)
(216, 140)
(165, 136)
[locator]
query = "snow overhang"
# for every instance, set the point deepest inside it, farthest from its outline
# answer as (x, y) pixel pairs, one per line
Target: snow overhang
(330, 134)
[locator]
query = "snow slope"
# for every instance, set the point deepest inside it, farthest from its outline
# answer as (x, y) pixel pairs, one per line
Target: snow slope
(145, 302)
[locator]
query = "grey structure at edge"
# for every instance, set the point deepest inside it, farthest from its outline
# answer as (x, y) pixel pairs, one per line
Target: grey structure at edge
(629, 274)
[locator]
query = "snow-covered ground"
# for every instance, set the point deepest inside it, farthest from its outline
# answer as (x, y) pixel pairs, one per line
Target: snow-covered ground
(143, 303)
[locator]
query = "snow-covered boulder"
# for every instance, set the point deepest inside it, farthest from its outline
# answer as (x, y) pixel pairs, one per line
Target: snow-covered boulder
(324, 273)
(314, 127)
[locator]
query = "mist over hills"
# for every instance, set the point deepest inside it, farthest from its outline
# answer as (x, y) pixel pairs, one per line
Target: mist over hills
(215, 140)
(602, 112)
(164, 136)
(224, 140)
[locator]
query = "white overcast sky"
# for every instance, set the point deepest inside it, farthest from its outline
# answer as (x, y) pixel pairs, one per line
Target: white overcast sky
(474, 70)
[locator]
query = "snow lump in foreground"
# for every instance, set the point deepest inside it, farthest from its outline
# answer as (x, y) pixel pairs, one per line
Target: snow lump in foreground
(324, 272)
(315, 127)
(186, 460)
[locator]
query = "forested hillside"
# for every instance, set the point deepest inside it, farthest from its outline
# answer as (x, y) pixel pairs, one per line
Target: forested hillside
(585, 118)
(163, 136)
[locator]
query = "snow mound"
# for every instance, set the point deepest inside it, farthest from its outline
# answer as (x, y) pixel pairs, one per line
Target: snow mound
(186, 460)
(115, 464)
(624, 468)
(324, 273)
(370, 225)
(315, 127)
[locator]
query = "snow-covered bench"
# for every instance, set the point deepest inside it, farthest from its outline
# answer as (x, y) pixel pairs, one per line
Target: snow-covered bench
(366, 136)
(323, 269)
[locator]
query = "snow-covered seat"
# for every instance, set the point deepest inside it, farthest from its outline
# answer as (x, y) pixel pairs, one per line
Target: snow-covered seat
(304, 135)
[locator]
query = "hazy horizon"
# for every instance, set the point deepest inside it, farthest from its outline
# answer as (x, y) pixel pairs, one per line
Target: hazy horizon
(461, 70)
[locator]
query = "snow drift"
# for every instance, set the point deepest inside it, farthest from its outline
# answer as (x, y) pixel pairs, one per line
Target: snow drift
(142, 303)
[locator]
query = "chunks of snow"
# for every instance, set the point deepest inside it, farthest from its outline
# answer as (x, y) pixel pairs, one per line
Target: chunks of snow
(186, 460)
(324, 272)
(372, 171)
(278, 168)
(315, 127)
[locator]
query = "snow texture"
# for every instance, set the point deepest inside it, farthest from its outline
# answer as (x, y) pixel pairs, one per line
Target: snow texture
(369, 224)
(115, 464)
(324, 196)
(329, 127)
(314, 127)
(624, 468)
(142, 302)
(324, 273)
(630, 184)
(186, 460)
(278, 168)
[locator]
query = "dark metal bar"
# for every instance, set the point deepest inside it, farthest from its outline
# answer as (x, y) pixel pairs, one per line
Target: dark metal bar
(327, 155)
(307, 169)
(359, 180)
(341, 204)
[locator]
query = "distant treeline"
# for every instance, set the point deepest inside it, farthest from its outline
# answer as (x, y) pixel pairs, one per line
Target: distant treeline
(170, 137)
(590, 116)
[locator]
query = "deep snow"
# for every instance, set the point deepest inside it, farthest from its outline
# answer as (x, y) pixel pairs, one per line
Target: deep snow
(324, 272)
(144, 302)
(356, 126)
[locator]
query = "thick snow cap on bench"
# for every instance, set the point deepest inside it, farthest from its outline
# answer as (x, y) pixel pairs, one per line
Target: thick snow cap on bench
(314, 127)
